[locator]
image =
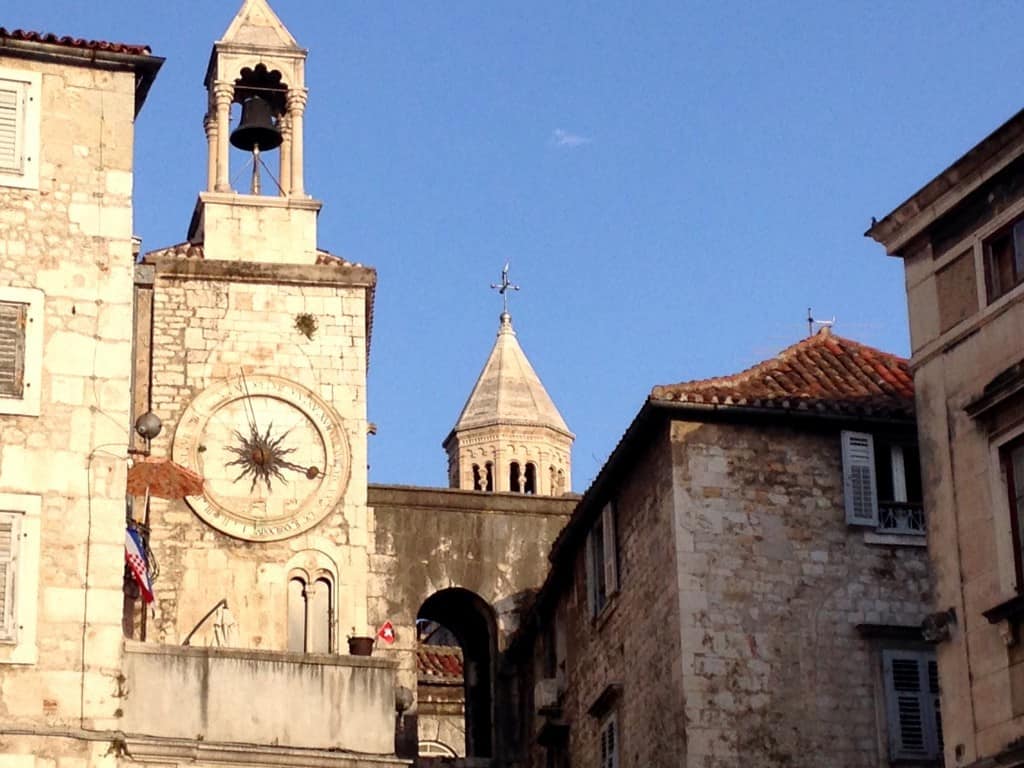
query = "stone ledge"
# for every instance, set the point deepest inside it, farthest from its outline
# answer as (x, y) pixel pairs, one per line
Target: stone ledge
(194, 751)
(250, 654)
(347, 276)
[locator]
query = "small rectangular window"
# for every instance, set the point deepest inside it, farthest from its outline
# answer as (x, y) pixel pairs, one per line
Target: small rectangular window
(9, 540)
(13, 319)
(1004, 260)
(609, 743)
(602, 561)
(19, 128)
(1013, 470)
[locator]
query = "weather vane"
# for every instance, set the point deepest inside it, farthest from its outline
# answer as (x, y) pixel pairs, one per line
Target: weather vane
(504, 287)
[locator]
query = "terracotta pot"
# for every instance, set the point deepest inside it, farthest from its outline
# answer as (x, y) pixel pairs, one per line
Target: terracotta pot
(360, 646)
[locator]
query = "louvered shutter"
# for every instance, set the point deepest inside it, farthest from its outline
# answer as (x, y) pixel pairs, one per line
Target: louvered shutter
(9, 531)
(11, 128)
(912, 697)
(12, 348)
(933, 691)
(611, 564)
(859, 489)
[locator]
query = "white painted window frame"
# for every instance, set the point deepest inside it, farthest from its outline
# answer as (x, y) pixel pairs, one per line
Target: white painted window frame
(27, 87)
(20, 647)
(28, 404)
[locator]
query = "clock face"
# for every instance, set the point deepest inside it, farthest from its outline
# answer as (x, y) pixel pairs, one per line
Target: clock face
(273, 457)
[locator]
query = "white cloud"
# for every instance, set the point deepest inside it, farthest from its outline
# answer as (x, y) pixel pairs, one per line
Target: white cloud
(560, 138)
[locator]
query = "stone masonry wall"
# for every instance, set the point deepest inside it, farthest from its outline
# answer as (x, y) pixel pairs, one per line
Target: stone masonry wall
(634, 642)
(772, 584)
(71, 238)
(207, 331)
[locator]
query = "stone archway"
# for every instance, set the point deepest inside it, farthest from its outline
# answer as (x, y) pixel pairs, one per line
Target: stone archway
(463, 617)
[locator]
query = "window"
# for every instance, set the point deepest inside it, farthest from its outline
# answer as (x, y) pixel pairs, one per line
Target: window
(609, 738)
(19, 128)
(21, 331)
(19, 569)
(912, 704)
(1013, 466)
(310, 615)
(602, 561)
(882, 483)
(1004, 260)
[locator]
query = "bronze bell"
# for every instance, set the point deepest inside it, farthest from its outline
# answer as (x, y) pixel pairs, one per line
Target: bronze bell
(257, 127)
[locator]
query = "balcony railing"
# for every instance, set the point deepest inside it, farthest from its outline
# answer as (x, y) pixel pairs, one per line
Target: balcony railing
(901, 517)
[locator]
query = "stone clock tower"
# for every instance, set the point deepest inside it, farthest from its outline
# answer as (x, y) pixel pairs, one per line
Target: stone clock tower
(253, 350)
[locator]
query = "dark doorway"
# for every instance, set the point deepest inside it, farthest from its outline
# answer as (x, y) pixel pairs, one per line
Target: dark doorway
(466, 617)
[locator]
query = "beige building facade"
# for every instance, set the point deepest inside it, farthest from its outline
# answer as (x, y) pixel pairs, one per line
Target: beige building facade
(65, 394)
(958, 238)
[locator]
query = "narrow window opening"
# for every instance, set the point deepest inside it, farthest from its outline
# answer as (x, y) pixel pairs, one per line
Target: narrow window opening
(490, 476)
(478, 480)
(514, 477)
(310, 615)
(530, 486)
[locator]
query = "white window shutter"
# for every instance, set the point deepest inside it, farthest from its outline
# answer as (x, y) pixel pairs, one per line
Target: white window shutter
(12, 96)
(9, 532)
(859, 490)
(611, 560)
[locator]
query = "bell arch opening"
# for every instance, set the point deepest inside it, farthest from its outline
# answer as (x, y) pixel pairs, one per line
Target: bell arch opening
(456, 632)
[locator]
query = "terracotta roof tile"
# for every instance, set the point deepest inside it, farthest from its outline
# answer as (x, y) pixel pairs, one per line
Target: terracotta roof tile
(439, 664)
(824, 372)
(74, 42)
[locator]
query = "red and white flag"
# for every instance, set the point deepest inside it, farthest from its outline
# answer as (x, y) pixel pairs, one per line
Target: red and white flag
(135, 556)
(387, 632)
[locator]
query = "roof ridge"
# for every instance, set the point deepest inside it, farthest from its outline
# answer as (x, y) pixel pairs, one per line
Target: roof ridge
(826, 371)
(809, 342)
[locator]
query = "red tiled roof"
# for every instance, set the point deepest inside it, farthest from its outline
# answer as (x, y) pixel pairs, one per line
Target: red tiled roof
(75, 42)
(439, 664)
(824, 373)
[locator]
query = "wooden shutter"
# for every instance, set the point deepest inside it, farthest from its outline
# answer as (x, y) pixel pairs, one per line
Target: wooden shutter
(11, 112)
(611, 564)
(12, 348)
(912, 705)
(859, 489)
(9, 532)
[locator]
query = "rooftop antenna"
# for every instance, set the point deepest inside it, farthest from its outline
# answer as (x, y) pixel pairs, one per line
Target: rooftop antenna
(503, 288)
(811, 322)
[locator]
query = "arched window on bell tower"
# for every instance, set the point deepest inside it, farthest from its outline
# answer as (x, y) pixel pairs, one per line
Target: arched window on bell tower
(514, 477)
(530, 483)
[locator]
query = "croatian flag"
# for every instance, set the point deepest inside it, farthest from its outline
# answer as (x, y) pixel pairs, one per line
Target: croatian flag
(135, 556)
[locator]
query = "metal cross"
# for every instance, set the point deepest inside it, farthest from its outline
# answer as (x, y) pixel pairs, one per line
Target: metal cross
(504, 287)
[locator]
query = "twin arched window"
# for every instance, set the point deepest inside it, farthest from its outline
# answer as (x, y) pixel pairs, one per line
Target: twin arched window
(311, 614)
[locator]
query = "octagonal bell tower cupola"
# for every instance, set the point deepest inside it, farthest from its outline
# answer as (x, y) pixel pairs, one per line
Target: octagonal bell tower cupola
(258, 65)
(510, 437)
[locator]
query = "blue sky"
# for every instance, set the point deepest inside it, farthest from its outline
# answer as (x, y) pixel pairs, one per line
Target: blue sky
(673, 183)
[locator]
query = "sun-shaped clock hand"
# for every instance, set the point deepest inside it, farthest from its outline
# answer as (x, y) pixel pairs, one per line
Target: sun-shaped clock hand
(262, 457)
